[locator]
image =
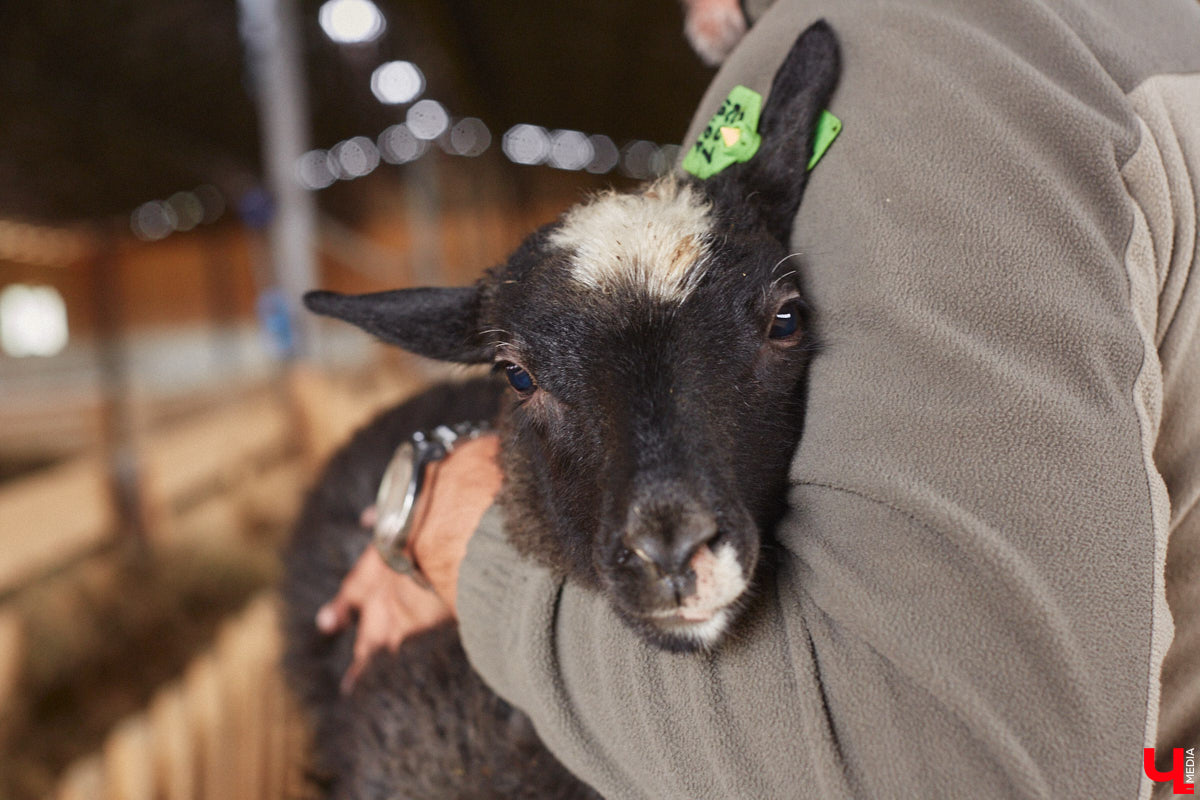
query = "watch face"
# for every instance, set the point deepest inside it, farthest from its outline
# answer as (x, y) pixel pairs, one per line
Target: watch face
(394, 502)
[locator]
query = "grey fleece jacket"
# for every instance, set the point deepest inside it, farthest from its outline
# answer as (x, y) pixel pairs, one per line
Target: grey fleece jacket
(988, 581)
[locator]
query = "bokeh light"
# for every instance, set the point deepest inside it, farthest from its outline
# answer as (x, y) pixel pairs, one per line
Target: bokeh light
(212, 201)
(427, 119)
(353, 158)
(189, 211)
(526, 144)
(153, 221)
(668, 156)
(570, 150)
(351, 21)
(33, 321)
(313, 171)
(182, 211)
(604, 154)
(469, 137)
(639, 159)
(398, 145)
(397, 82)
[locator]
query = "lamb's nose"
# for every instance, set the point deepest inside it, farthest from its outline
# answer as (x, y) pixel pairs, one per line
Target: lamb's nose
(667, 542)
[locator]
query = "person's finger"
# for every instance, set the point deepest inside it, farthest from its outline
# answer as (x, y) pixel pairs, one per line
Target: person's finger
(338, 612)
(381, 629)
(334, 615)
(351, 677)
(369, 516)
(364, 648)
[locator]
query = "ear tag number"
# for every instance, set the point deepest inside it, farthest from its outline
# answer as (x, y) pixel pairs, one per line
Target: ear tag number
(731, 136)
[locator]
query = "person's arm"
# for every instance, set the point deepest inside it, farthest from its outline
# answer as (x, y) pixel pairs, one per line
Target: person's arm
(391, 606)
(967, 595)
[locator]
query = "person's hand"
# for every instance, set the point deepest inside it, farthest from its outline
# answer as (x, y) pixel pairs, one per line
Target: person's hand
(391, 606)
(713, 28)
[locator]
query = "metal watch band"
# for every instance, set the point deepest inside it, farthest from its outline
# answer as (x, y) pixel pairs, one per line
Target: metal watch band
(401, 485)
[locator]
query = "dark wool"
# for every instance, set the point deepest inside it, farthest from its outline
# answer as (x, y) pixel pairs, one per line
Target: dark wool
(693, 403)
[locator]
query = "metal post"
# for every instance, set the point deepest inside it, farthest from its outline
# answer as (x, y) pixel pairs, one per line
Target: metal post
(423, 200)
(121, 426)
(277, 71)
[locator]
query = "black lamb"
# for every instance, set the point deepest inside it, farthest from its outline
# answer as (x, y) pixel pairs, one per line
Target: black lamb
(656, 345)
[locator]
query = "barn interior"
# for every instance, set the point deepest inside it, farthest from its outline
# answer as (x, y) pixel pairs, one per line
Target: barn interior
(172, 176)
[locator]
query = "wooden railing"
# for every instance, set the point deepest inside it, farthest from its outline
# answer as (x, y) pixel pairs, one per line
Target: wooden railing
(226, 731)
(221, 470)
(216, 471)
(53, 516)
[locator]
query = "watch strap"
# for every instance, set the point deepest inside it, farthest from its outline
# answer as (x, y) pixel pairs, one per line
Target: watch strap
(393, 526)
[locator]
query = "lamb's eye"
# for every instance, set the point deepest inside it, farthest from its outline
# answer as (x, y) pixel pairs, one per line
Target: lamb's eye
(519, 379)
(787, 320)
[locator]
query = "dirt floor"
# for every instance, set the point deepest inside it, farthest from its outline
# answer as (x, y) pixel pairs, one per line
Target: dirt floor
(102, 636)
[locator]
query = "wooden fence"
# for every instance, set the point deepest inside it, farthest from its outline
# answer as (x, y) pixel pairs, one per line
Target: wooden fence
(226, 731)
(220, 470)
(52, 516)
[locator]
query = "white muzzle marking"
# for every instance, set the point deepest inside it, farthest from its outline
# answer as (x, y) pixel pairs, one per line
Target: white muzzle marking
(704, 615)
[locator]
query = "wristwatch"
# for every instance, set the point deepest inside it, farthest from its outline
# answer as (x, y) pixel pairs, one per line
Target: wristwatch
(401, 485)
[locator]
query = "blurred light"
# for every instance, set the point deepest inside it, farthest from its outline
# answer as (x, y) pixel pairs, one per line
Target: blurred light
(570, 150)
(397, 82)
(212, 201)
(40, 245)
(526, 144)
(153, 221)
(470, 137)
(189, 211)
(427, 119)
(397, 145)
(604, 154)
(256, 208)
(668, 156)
(354, 157)
(351, 21)
(273, 315)
(33, 321)
(638, 159)
(313, 170)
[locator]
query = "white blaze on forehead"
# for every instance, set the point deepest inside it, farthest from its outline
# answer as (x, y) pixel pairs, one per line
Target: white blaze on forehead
(656, 240)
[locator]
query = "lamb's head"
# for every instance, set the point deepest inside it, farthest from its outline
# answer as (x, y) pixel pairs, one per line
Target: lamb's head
(656, 344)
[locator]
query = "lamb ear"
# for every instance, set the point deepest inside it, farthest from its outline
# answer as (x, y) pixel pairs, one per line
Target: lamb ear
(776, 176)
(435, 323)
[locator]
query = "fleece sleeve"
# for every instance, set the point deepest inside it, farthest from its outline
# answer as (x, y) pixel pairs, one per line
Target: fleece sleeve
(968, 596)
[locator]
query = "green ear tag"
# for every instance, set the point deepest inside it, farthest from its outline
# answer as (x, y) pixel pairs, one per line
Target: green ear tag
(730, 137)
(828, 128)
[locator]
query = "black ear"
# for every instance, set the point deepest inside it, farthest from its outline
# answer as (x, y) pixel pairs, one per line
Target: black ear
(435, 323)
(775, 178)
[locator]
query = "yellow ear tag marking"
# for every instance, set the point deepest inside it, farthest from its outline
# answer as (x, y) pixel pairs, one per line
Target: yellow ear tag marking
(730, 136)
